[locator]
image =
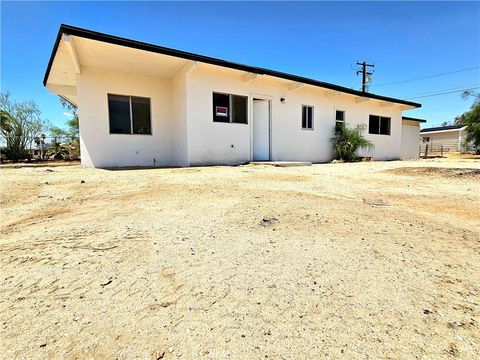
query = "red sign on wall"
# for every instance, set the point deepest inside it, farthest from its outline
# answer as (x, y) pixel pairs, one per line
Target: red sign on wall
(221, 111)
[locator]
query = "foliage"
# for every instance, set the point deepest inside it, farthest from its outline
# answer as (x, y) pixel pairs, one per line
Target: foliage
(71, 135)
(59, 151)
(20, 124)
(347, 141)
(72, 124)
(460, 119)
(472, 123)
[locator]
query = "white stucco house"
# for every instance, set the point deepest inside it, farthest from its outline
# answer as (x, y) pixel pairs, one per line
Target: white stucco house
(449, 137)
(146, 105)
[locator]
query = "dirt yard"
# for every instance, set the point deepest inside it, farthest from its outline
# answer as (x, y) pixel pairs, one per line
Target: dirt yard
(368, 260)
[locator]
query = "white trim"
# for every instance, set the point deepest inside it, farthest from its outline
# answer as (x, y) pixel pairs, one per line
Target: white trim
(442, 131)
(313, 118)
(62, 89)
(68, 40)
(380, 117)
(230, 114)
(295, 86)
(386, 104)
(359, 99)
(248, 77)
(268, 98)
(131, 114)
(335, 109)
(192, 65)
(330, 93)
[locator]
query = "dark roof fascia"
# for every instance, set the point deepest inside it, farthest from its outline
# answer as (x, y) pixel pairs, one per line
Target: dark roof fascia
(413, 119)
(93, 35)
(52, 55)
(442, 128)
(67, 100)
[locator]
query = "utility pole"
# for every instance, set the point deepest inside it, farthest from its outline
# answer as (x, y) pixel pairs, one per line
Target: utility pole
(365, 74)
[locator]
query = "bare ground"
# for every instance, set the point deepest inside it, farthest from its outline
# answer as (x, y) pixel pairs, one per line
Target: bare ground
(366, 260)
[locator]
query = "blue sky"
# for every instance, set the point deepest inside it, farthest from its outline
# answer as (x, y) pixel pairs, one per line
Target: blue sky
(321, 40)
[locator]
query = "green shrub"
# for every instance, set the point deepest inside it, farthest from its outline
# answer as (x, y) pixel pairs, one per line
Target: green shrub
(347, 141)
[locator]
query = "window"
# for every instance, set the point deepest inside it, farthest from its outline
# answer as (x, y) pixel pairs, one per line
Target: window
(229, 108)
(339, 120)
(129, 115)
(307, 117)
(379, 125)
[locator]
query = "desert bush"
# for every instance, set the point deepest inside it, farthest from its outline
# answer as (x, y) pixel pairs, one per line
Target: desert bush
(348, 140)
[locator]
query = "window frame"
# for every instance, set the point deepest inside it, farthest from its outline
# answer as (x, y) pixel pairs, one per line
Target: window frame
(130, 113)
(230, 108)
(344, 122)
(312, 120)
(380, 117)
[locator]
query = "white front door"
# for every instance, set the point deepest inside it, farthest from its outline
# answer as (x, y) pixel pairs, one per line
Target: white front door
(261, 130)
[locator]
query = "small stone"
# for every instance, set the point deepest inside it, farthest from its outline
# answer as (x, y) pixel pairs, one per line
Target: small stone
(268, 221)
(82, 182)
(43, 345)
(171, 349)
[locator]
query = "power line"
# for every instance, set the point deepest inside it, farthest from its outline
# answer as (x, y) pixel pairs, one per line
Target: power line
(442, 93)
(428, 77)
(448, 89)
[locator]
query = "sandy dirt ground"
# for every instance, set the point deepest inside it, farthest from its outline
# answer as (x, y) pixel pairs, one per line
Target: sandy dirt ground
(373, 260)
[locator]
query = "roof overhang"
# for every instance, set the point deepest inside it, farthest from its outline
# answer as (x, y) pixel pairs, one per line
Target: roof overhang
(439, 131)
(76, 47)
(408, 118)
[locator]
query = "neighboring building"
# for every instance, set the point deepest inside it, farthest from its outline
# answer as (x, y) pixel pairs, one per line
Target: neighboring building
(410, 136)
(146, 105)
(38, 150)
(448, 137)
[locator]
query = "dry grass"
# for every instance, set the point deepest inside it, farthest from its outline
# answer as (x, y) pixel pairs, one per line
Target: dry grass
(366, 260)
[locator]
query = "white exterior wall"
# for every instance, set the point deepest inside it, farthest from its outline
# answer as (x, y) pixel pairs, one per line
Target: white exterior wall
(179, 124)
(183, 131)
(98, 147)
(223, 143)
(410, 141)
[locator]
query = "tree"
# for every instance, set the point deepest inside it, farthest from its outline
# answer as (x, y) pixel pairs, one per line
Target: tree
(347, 141)
(471, 119)
(20, 124)
(73, 124)
(70, 135)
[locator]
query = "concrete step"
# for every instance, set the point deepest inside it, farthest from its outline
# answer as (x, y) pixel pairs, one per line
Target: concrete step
(282, 163)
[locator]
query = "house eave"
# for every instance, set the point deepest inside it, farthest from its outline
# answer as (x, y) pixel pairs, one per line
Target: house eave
(93, 35)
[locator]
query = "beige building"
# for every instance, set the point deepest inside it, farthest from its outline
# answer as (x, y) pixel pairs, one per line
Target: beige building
(449, 138)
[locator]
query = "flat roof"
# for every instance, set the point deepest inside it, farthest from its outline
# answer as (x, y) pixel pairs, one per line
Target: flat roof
(93, 35)
(442, 128)
(413, 119)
